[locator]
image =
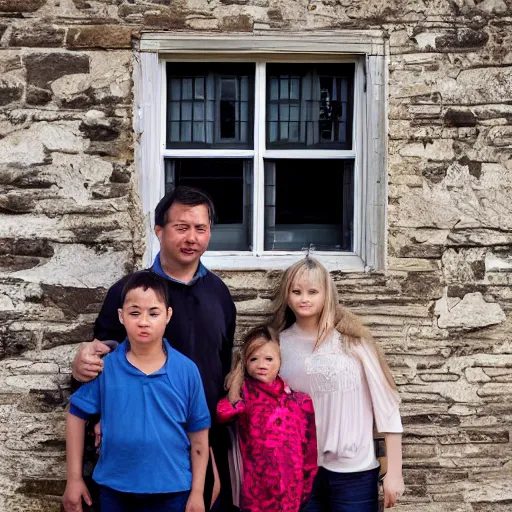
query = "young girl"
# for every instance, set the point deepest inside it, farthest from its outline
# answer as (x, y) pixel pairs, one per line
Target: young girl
(276, 429)
(328, 354)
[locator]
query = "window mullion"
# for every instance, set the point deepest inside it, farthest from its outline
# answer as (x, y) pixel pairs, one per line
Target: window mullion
(359, 145)
(259, 150)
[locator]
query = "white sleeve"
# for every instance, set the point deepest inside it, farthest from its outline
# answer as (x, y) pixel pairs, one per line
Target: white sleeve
(385, 401)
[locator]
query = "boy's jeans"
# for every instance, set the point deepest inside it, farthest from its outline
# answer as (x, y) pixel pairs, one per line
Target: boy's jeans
(344, 492)
(115, 501)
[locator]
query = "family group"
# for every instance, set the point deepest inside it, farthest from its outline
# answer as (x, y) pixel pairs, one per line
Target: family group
(284, 423)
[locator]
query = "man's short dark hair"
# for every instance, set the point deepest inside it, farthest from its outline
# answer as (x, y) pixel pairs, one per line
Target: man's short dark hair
(146, 279)
(188, 196)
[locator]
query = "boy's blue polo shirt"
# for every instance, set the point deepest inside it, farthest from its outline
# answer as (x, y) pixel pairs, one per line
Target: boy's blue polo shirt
(144, 422)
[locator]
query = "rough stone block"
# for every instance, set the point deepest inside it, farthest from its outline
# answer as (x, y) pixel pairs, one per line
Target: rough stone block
(106, 131)
(493, 6)
(9, 6)
(12, 263)
(38, 401)
(442, 420)
(239, 23)
(42, 487)
(105, 37)
(73, 301)
(16, 203)
(13, 343)
(496, 489)
(107, 85)
(34, 145)
(469, 313)
(491, 389)
(28, 247)
(476, 375)
(37, 96)
(476, 436)
(80, 266)
(167, 20)
(44, 68)
(110, 191)
(465, 39)
(460, 117)
(66, 335)
(445, 476)
(492, 506)
(41, 37)
(27, 503)
(473, 87)
(11, 90)
(120, 174)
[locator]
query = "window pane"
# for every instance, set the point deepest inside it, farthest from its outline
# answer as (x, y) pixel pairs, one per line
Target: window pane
(217, 98)
(229, 183)
(309, 203)
(318, 97)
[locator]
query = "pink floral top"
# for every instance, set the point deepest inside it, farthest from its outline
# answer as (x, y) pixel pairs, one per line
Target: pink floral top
(278, 445)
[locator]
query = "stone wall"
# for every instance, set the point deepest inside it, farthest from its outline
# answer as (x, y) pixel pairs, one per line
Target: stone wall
(70, 217)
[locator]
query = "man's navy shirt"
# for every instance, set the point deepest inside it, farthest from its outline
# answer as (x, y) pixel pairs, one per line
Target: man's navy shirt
(202, 325)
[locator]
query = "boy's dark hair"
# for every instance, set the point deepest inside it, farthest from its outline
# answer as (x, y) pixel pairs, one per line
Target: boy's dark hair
(188, 196)
(146, 279)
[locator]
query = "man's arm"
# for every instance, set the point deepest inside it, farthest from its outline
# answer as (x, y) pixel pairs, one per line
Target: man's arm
(75, 486)
(199, 453)
(228, 342)
(88, 362)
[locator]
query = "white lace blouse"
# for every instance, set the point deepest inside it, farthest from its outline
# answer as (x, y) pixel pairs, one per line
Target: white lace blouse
(349, 392)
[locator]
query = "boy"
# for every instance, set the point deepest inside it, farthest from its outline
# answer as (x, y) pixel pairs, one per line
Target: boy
(154, 416)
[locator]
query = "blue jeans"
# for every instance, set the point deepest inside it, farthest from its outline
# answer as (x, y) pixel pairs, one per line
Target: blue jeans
(345, 492)
(115, 501)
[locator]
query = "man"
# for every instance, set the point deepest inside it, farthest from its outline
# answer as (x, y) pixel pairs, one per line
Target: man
(203, 324)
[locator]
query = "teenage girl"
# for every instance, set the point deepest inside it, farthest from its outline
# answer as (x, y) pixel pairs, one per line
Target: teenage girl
(275, 426)
(328, 354)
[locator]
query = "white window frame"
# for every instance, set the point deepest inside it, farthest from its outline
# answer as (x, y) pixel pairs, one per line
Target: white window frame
(367, 49)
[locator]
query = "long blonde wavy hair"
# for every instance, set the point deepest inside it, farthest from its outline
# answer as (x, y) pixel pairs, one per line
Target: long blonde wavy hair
(333, 315)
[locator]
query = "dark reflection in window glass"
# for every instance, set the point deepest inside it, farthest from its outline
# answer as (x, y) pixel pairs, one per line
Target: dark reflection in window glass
(309, 209)
(228, 181)
(310, 105)
(210, 105)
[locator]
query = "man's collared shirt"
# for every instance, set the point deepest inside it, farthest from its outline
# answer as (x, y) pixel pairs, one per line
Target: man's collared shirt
(157, 269)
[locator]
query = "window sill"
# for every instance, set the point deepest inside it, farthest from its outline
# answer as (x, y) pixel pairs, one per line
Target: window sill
(345, 262)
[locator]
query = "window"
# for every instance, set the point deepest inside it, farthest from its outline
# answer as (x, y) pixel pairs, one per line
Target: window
(309, 106)
(280, 141)
(209, 105)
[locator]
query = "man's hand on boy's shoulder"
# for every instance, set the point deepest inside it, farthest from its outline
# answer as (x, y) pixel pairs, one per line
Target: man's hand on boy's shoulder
(195, 502)
(88, 363)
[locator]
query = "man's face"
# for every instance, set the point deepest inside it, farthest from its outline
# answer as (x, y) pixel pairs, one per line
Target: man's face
(186, 235)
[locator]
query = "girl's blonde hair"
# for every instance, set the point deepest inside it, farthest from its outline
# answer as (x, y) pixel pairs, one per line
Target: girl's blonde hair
(333, 315)
(252, 341)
